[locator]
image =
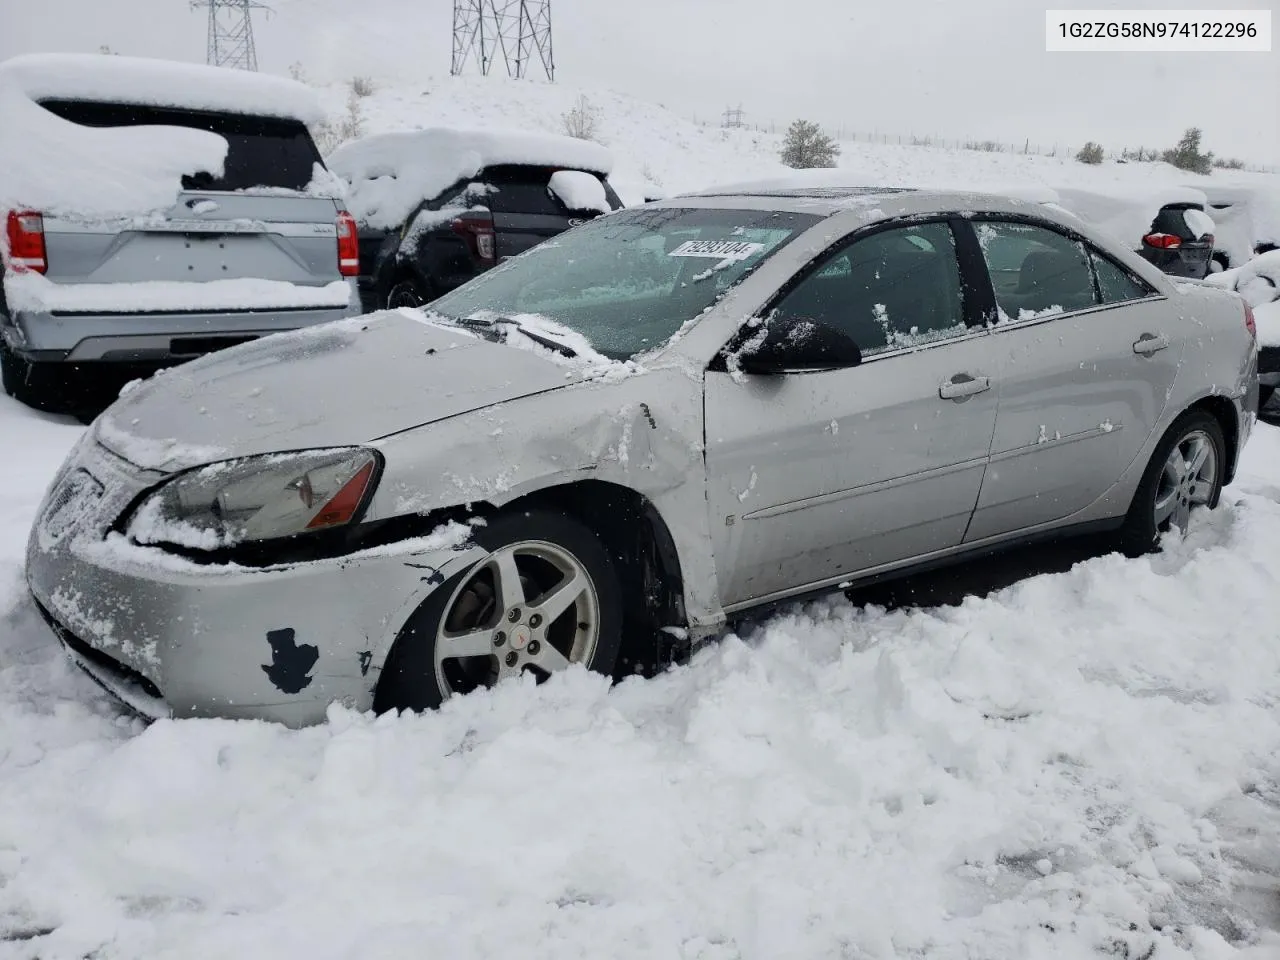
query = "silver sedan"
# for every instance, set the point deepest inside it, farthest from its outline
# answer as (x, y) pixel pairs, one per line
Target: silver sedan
(652, 423)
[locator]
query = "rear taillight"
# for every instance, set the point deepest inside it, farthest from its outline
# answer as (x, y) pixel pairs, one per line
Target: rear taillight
(348, 246)
(25, 232)
(1250, 324)
(1162, 241)
(477, 230)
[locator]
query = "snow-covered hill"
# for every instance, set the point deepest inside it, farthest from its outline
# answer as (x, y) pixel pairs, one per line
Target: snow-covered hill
(658, 149)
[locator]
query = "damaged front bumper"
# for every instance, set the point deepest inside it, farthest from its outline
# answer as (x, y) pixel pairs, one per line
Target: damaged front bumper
(169, 637)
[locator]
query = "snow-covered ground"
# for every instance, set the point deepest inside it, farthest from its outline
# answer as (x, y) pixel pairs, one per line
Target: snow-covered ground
(1084, 764)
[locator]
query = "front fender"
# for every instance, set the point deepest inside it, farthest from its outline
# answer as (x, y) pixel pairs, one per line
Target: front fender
(642, 432)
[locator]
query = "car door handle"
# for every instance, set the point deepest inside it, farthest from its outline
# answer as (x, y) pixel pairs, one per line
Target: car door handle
(962, 385)
(1150, 343)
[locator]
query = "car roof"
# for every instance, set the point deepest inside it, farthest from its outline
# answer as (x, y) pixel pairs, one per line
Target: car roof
(878, 202)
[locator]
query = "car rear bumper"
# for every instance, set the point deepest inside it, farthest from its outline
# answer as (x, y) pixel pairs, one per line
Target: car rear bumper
(163, 337)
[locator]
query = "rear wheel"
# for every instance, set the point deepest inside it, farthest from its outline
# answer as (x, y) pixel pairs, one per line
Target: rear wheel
(545, 596)
(1185, 474)
(406, 292)
(28, 382)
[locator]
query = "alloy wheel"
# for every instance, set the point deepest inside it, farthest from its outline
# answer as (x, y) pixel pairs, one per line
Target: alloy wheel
(529, 607)
(1187, 481)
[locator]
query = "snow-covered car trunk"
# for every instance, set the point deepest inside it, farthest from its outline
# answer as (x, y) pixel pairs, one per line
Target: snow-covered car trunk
(252, 218)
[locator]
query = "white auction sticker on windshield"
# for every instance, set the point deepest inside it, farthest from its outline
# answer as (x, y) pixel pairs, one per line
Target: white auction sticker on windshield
(723, 250)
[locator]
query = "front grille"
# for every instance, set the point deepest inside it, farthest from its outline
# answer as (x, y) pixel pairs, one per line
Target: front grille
(99, 659)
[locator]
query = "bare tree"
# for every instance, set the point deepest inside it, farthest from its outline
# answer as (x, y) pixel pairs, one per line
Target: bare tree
(583, 121)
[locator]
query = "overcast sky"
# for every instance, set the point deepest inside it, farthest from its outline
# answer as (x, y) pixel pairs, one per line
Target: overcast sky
(952, 68)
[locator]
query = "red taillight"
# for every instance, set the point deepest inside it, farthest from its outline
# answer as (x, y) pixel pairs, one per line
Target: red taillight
(348, 246)
(342, 506)
(477, 230)
(1162, 241)
(25, 232)
(1249, 322)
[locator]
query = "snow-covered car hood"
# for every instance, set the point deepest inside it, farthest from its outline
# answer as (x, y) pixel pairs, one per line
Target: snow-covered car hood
(349, 382)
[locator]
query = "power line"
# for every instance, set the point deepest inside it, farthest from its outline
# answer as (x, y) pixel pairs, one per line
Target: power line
(517, 32)
(230, 42)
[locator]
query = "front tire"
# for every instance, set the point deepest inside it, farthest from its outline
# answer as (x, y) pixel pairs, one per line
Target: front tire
(545, 596)
(1185, 474)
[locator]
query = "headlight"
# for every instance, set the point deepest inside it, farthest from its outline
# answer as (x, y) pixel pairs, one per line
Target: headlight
(257, 498)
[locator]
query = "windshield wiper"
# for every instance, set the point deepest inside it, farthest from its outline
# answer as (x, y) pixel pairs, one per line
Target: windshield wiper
(496, 324)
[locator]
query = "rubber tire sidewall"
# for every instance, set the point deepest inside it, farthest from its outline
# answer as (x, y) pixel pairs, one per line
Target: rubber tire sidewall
(1139, 535)
(408, 677)
(423, 295)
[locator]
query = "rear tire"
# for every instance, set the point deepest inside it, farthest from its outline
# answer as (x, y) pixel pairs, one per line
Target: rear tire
(406, 293)
(476, 628)
(1186, 473)
(24, 382)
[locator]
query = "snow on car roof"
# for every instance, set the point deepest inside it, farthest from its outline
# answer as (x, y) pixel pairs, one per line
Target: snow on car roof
(55, 166)
(391, 173)
(161, 83)
(1124, 211)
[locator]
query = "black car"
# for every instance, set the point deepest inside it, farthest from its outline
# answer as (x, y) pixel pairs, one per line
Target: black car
(1179, 242)
(418, 242)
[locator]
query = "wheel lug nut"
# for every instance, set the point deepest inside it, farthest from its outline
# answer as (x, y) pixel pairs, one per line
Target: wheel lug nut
(513, 658)
(534, 647)
(499, 638)
(535, 620)
(514, 615)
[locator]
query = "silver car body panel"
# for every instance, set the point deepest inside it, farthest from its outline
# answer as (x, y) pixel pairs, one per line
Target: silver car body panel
(206, 236)
(768, 486)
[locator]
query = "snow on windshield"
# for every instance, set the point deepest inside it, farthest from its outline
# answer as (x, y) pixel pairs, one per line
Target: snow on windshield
(390, 174)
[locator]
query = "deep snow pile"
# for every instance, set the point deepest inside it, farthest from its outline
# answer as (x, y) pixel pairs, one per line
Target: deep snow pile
(1084, 764)
(1258, 282)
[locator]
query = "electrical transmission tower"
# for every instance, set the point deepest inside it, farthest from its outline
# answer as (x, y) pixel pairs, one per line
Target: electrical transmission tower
(734, 118)
(231, 32)
(517, 32)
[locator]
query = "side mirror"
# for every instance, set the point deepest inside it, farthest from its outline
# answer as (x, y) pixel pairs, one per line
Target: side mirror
(796, 346)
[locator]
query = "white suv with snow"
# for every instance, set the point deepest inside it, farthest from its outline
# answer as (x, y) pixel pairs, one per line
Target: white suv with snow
(155, 212)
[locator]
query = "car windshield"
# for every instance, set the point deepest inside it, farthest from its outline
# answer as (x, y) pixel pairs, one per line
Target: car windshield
(628, 281)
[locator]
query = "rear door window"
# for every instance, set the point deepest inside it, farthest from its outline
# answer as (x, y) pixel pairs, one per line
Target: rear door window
(1174, 220)
(262, 151)
(1116, 284)
(527, 190)
(1035, 271)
